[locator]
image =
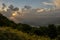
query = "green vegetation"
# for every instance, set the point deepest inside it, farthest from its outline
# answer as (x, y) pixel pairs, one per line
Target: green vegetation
(7, 33)
(12, 31)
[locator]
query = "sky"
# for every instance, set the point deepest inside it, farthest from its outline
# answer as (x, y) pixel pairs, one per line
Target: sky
(33, 3)
(33, 12)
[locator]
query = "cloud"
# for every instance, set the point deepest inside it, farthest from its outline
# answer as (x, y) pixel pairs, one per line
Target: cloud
(57, 3)
(9, 11)
(44, 18)
(11, 7)
(46, 3)
(16, 9)
(27, 7)
(40, 10)
(3, 6)
(37, 16)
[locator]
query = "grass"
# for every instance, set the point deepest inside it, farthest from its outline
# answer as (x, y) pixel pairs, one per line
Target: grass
(7, 33)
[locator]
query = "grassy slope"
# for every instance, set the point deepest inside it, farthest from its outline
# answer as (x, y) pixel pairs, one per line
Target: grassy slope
(18, 35)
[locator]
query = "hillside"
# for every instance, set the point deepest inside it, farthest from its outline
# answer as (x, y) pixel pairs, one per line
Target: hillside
(6, 22)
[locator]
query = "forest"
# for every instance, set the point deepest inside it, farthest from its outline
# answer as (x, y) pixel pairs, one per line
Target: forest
(10, 30)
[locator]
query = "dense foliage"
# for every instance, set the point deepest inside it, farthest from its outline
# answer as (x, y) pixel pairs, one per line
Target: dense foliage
(7, 33)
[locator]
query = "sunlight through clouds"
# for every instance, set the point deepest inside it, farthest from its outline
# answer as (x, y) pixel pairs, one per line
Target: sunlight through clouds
(57, 3)
(14, 14)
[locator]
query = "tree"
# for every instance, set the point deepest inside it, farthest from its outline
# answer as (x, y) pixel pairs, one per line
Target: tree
(58, 30)
(52, 32)
(24, 27)
(44, 30)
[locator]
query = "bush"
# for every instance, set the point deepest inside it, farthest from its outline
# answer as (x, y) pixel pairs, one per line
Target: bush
(9, 34)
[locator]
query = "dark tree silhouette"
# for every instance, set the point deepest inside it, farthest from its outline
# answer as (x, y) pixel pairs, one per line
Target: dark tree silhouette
(58, 30)
(52, 32)
(24, 27)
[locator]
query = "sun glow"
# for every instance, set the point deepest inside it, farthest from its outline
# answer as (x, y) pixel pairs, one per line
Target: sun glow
(14, 14)
(57, 3)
